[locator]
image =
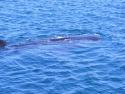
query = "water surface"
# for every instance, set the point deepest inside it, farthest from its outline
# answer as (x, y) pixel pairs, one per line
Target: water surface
(71, 68)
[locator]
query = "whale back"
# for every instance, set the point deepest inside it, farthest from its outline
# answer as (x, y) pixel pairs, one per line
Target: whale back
(56, 40)
(73, 38)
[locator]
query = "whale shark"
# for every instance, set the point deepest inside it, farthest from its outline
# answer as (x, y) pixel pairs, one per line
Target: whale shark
(55, 40)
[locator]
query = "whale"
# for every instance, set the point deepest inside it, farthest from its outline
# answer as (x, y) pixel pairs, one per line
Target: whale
(55, 40)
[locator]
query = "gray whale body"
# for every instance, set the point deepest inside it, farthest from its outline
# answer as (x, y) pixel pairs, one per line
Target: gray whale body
(92, 38)
(55, 40)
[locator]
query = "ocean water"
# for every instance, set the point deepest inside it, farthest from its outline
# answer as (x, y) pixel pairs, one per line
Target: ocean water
(66, 68)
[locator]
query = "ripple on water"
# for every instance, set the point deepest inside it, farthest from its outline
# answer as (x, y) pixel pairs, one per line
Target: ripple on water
(72, 68)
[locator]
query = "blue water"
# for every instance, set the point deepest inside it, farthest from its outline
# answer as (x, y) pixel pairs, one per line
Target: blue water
(65, 68)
